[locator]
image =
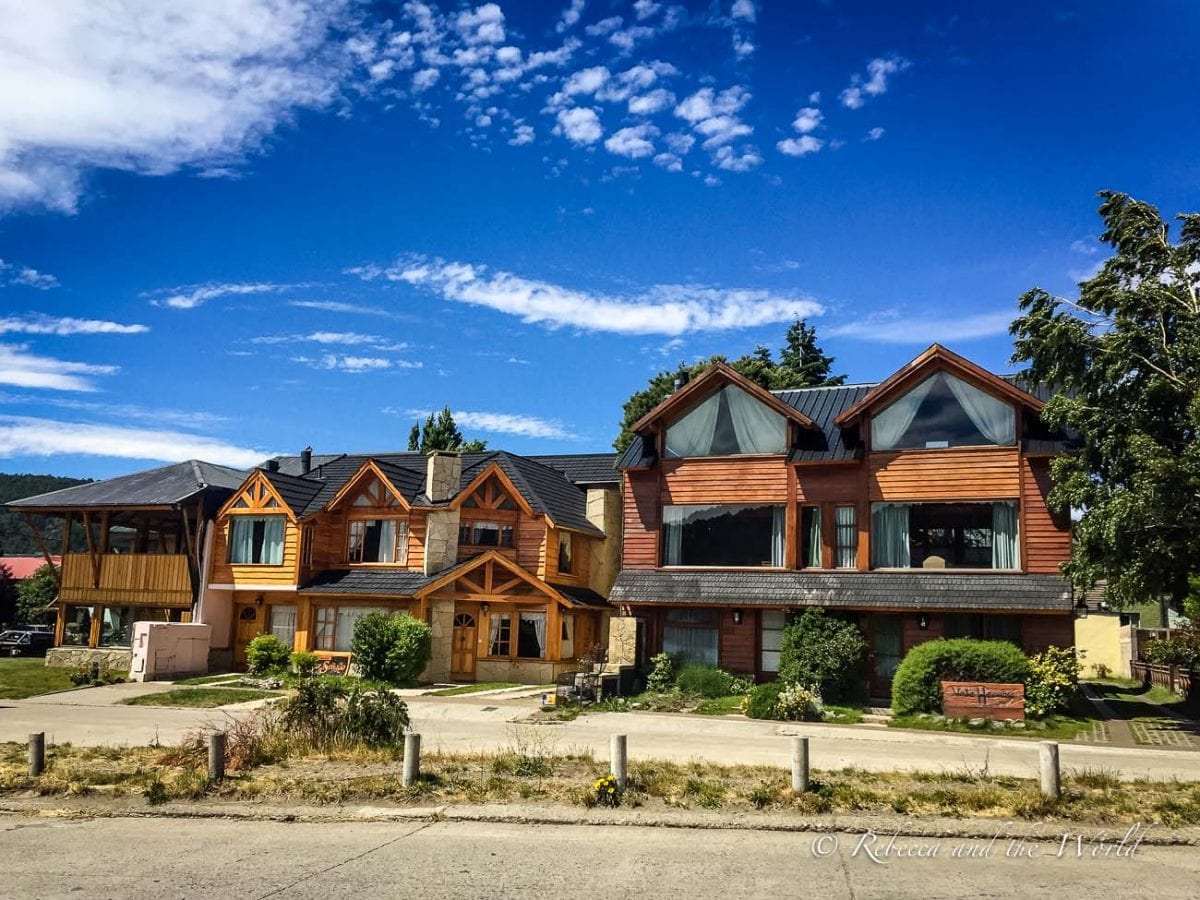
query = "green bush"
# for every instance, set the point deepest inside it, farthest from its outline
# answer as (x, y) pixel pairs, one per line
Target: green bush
(709, 682)
(917, 684)
(783, 701)
(304, 663)
(391, 648)
(1053, 681)
(327, 714)
(662, 674)
(763, 700)
(1182, 648)
(267, 655)
(823, 653)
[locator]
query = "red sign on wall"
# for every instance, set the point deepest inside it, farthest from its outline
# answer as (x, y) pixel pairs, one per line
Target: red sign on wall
(975, 699)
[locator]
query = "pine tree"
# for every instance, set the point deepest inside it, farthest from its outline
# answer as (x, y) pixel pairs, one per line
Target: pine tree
(441, 433)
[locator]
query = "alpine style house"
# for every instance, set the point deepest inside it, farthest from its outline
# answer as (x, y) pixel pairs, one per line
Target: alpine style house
(917, 506)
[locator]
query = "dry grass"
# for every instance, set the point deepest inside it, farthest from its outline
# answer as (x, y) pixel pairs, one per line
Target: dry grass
(534, 770)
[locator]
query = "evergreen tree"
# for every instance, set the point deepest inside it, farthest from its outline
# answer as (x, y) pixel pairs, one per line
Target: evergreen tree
(414, 437)
(441, 432)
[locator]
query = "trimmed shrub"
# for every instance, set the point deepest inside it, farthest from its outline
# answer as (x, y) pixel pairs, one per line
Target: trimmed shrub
(267, 654)
(917, 684)
(823, 653)
(1053, 681)
(709, 682)
(304, 663)
(391, 648)
(763, 700)
(662, 674)
(787, 702)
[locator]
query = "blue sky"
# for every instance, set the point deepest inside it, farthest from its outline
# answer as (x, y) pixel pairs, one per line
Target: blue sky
(238, 229)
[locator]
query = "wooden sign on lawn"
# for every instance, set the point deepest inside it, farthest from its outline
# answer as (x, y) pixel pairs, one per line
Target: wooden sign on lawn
(975, 699)
(333, 665)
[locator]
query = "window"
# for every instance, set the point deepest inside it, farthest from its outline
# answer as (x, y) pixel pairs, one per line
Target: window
(845, 519)
(307, 536)
(378, 541)
(335, 626)
(773, 621)
(945, 535)
(810, 537)
(531, 635)
(564, 553)
(568, 636)
(499, 634)
(729, 422)
(692, 633)
(943, 411)
(77, 625)
(724, 535)
(116, 626)
(983, 627)
(283, 623)
(256, 540)
(485, 534)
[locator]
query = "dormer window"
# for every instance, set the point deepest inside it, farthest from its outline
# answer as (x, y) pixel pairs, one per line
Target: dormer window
(378, 541)
(730, 422)
(944, 411)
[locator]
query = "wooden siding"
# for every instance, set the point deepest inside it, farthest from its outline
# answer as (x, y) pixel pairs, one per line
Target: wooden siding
(967, 473)
(1046, 536)
(725, 480)
(223, 572)
(739, 643)
(127, 579)
(815, 484)
(531, 544)
(641, 520)
(1040, 632)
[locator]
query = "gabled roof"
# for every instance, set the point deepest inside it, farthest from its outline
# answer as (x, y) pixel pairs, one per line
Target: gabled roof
(545, 489)
(827, 442)
(165, 486)
(716, 375)
(938, 358)
(384, 472)
(297, 493)
(583, 468)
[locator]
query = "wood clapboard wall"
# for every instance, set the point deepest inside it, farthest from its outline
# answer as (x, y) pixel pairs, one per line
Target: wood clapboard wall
(225, 573)
(641, 520)
(1047, 536)
(724, 480)
(970, 473)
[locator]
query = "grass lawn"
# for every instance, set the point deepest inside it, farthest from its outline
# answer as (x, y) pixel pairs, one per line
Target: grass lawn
(211, 679)
(20, 678)
(475, 688)
(843, 715)
(720, 706)
(1062, 728)
(1129, 699)
(200, 697)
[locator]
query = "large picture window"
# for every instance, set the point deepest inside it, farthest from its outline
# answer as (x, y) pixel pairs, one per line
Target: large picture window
(729, 422)
(378, 541)
(485, 534)
(943, 411)
(692, 635)
(723, 535)
(256, 540)
(983, 627)
(944, 536)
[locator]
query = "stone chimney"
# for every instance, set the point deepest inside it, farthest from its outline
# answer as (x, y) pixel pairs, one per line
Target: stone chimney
(604, 511)
(305, 460)
(443, 475)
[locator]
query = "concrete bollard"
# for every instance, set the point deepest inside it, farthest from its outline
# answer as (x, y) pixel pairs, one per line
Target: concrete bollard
(216, 756)
(1051, 786)
(412, 759)
(617, 758)
(37, 754)
(799, 764)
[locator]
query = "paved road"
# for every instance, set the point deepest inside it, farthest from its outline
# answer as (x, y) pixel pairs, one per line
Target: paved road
(491, 723)
(219, 858)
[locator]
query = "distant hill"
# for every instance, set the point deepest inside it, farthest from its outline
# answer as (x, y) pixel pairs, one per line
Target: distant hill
(15, 537)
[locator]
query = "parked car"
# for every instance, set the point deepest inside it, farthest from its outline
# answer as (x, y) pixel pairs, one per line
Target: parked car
(33, 641)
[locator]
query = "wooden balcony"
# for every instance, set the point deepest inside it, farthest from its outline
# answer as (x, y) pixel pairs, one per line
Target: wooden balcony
(127, 579)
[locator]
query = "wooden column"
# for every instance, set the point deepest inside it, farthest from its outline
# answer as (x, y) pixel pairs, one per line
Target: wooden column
(790, 531)
(37, 536)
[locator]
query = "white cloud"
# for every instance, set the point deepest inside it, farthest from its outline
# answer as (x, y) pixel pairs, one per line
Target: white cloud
(879, 70)
(650, 103)
(483, 25)
(123, 411)
(580, 125)
(148, 87)
(504, 423)
(729, 160)
(801, 146)
(425, 79)
(604, 26)
(586, 81)
(895, 328)
(679, 143)
(339, 306)
(706, 103)
(24, 369)
(807, 120)
(193, 295)
(721, 130)
(25, 276)
(664, 309)
(355, 364)
(743, 9)
(24, 436)
(644, 9)
(570, 16)
(669, 161)
(633, 142)
(627, 38)
(874, 134)
(1086, 248)
(61, 326)
(347, 338)
(522, 134)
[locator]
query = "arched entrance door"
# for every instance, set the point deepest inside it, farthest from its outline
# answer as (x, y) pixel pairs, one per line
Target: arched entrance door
(462, 656)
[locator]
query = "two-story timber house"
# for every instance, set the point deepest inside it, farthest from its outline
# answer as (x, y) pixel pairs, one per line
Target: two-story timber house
(916, 506)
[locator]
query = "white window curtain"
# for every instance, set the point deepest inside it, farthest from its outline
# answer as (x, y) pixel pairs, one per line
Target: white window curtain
(692, 435)
(994, 418)
(387, 541)
(1005, 552)
(272, 552)
(241, 542)
(845, 534)
(538, 619)
(283, 623)
(889, 538)
(697, 645)
(674, 518)
(773, 621)
(778, 528)
(813, 560)
(402, 542)
(493, 630)
(889, 426)
(347, 618)
(758, 429)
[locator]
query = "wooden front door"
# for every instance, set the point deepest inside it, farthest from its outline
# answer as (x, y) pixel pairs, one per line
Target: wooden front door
(462, 647)
(245, 629)
(886, 652)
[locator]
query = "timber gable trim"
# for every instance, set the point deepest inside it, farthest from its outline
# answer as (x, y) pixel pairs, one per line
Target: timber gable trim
(257, 492)
(355, 481)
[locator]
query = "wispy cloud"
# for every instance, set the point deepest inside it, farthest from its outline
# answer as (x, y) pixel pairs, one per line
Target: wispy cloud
(875, 83)
(356, 364)
(179, 418)
(894, 327)
(24, 369)
(26, 436)
(347, 338)
(663, 309)
(498, 423)
(40, 324)
(340, 306)
(193, 295)
(25, 276)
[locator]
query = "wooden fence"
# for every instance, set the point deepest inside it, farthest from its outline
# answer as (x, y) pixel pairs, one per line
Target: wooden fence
(1185, 682)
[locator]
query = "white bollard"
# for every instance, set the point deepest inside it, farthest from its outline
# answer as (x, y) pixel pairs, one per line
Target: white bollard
(1051, 786)
(799, 764)
(412, 759)
(617, 758)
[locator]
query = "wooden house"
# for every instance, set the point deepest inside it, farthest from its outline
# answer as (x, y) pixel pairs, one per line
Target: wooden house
(916, 506)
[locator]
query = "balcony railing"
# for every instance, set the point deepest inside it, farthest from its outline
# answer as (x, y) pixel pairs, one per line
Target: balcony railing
(127, 579)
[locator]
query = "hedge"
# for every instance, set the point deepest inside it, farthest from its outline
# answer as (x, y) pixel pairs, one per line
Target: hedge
(917, 684)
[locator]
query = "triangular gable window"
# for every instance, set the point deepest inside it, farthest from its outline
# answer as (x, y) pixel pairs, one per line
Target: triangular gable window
(944, 411)
(374, 495)
(729, 422)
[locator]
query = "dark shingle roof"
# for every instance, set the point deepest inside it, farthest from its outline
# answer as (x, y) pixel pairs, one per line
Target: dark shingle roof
(847, 590)
(164, 486)
(823, 405)
(640, 454)
(583, 468)
(297, 493)
(546, 490)
(367, 582)
(581, 595)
